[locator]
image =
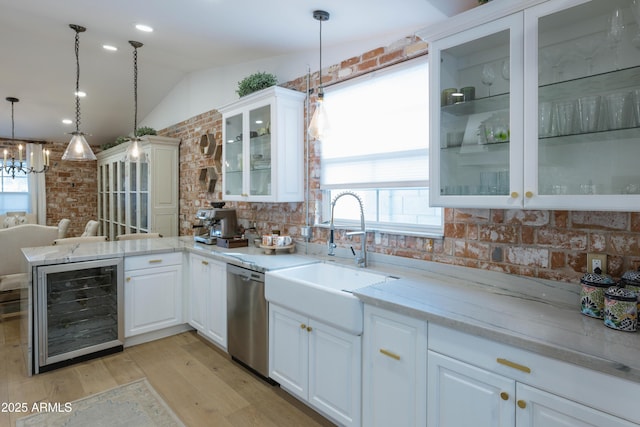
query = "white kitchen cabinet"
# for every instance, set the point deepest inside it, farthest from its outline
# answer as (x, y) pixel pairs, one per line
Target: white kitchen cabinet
(525, 138)
(263, 150)
(139, 196)
(317, 363)
(208, 298)
(394, 383)
(152, 292)
(498, 385)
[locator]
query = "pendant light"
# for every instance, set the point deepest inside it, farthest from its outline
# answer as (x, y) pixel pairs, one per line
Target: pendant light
(319, 125)
(134, 150)
(78, 148)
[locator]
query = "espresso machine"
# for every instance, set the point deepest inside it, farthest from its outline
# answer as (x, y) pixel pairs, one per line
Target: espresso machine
(216, 222)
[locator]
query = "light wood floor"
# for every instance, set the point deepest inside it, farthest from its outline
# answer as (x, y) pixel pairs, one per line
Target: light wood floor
(198, 381)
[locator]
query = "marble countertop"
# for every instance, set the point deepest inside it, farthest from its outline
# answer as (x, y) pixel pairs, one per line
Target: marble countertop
(536, 315)
(249, 257)
(533, 314)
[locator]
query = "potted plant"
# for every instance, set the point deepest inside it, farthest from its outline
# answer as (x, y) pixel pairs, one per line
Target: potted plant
(255, 82)
(141, 131)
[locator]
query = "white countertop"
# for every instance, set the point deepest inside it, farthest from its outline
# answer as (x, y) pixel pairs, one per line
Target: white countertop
(537, 315)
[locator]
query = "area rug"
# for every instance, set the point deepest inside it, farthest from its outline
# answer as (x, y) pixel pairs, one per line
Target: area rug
(135, 404)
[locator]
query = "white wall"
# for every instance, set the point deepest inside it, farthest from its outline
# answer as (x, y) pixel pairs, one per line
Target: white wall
(210, 89)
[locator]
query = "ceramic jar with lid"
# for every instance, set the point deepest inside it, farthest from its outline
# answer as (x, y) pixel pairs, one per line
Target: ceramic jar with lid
(621, 309)
(593, 287)
(631, 280)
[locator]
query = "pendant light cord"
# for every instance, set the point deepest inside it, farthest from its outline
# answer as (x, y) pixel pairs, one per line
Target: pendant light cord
(320, 88)
(12, 124)
(135, 91)
(77, 46)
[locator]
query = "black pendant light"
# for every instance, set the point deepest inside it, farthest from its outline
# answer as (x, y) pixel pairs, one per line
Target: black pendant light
(78, 148)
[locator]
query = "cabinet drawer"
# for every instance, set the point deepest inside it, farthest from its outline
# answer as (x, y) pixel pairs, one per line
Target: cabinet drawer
(154, 260)
(561, 378)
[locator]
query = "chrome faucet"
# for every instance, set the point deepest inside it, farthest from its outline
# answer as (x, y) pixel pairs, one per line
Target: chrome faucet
(361, 261)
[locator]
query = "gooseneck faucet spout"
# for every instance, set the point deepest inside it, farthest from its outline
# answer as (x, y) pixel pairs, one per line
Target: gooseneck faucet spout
(361, 260)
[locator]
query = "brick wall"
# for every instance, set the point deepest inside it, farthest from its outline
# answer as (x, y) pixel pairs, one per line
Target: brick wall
(71, 190)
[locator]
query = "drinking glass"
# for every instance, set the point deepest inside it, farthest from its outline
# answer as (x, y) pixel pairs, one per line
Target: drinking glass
(544, 119)
(588, 113)
(636, 106)
(564, 115)
(488, 76)
(635, 9)
(506, 71)
(615, 32)
(617, 106)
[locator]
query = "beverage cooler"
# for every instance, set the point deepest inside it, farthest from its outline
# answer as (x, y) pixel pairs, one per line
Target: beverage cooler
(77, 312)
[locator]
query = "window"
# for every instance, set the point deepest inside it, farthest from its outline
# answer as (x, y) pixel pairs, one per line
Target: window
(378, 147)
(14, 192)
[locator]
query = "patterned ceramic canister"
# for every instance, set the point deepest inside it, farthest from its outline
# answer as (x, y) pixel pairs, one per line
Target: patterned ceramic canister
(592, 293)
(621, 309)
(631, 280)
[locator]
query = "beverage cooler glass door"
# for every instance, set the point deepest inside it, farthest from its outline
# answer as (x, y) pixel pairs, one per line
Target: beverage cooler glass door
(476, 113)
(79, 310)
(588, 111)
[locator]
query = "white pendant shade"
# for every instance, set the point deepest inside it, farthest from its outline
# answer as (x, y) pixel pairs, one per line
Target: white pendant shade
(319, 125)
(78, 149)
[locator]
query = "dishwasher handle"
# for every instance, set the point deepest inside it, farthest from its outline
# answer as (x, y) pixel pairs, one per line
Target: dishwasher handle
(245, 274)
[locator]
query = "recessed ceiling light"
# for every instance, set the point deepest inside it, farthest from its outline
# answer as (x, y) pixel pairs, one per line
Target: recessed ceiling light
(109, 47)
(258, 122)
(80, 94)
(145, 28)
(67, 121)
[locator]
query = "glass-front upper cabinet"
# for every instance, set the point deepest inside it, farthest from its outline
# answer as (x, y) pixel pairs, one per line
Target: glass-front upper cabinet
(263, 147)
(476, 115)
(583, 127)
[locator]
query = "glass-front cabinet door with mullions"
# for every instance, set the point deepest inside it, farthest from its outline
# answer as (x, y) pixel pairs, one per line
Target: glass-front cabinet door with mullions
(586, 144)
(556, 127)
(247, 158)
(478, 114)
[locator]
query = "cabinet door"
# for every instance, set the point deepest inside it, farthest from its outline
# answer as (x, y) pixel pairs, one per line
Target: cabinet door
(153, 299)
(582, 103)
(394, 369)
(476, 82)
(216, 302)
(334, 373)
(289, 350)
(537, 408)
(260, 151)
(233, 155)
(199, 273)
(460, 394)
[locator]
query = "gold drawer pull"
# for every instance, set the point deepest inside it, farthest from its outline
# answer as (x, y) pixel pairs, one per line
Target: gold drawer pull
(522, 404)
(309, 328)
(303, 326)
(389, 354)
(514, 195)
(513, 365)
(128, 279)
(504, 395)
(205, 262)
(528, 194)
(154, 261)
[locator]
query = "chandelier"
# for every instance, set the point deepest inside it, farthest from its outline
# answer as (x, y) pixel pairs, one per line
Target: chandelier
(20, 165)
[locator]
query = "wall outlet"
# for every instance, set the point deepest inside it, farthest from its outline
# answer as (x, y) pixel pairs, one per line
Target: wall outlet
(306, 232)
(596, 261)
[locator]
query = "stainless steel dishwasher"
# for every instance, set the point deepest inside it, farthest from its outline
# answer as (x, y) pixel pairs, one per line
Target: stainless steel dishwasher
(247, 319)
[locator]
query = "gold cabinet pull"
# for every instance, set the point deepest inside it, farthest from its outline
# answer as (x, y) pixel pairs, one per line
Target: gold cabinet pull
(514, 195)
(205, 262)
(389, 354)
(528, 194)
(522, 404)
(309, 328)
(303, 326)
(154, 261)
(513, 365)
(504, 395)
(128, 279)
